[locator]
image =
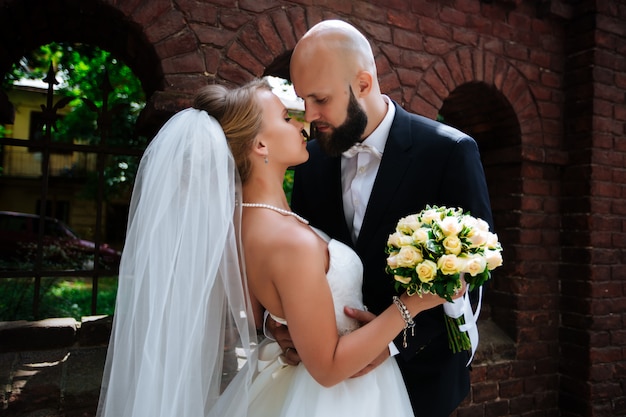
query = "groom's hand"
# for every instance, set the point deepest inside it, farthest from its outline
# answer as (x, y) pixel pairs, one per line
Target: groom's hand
(364, 317)
(283, 338)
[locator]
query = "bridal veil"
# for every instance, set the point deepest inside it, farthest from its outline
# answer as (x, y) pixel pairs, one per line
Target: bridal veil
(181, 324)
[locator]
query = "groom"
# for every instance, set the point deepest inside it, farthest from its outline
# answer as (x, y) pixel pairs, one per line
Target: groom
(358, 196)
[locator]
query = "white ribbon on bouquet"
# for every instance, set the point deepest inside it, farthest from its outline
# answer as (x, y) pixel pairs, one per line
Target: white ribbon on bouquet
(462, 307)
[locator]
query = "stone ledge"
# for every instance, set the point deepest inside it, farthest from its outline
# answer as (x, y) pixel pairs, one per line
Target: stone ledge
(494, 344)
(50, 334)
(37, 335)
(94, 330)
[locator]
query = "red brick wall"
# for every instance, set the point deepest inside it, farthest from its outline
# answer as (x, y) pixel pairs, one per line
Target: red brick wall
(540, 84)
(592, 273)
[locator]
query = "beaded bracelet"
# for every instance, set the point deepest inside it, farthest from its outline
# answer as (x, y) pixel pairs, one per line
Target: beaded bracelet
(406, 316)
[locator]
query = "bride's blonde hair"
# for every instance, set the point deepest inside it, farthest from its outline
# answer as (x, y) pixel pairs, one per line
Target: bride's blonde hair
(240, 115)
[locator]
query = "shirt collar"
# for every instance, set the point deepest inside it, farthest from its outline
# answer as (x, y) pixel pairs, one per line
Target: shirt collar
(378, 138)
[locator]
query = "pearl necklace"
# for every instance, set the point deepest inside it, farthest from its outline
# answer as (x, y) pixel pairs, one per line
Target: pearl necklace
(276, 209)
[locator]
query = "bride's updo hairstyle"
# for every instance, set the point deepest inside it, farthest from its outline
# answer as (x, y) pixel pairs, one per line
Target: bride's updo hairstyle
(240, 115)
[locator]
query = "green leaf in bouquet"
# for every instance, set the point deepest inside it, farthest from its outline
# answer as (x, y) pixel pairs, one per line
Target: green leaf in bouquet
(437, 232)
(478, 280)
(434, 249)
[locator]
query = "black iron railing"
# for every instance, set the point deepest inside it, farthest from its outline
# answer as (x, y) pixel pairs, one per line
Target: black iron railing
(37, 268)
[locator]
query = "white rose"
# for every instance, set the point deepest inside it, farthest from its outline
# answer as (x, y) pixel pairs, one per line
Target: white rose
(394, 239)
(452, 245)
(408, 257)
(420, 235)
(475, 264)
(494, 259)
(399, 239)
(403, 280)
(450, 226)
(408, 224)
(426, 271)
(392, 261)
(449, 265)
(477, 238)
(428, 216)
(482, 225)
(470, 222)
(492, 240)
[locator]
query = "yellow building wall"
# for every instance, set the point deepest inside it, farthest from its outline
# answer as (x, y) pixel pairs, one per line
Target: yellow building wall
(20, 161)
(21, 180)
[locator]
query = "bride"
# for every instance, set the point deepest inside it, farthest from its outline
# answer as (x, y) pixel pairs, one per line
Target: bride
(212, 244)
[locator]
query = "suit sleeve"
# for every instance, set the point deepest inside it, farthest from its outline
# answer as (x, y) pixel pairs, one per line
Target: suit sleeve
(462, 184)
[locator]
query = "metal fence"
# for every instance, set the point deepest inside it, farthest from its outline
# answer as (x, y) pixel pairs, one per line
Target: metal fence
(38, 260)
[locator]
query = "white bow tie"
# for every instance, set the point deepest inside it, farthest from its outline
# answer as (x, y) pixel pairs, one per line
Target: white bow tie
(359, 147)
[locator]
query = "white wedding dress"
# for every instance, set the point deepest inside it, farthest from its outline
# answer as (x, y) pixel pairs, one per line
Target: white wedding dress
(290, 391)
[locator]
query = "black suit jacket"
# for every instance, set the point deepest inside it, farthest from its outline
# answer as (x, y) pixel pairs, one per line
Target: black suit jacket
(424, 162)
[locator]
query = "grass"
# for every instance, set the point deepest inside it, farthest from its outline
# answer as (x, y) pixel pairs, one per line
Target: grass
(59, 297)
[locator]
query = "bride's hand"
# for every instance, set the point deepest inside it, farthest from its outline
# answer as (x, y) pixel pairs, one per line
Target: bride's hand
(463, 288)
(417, 303)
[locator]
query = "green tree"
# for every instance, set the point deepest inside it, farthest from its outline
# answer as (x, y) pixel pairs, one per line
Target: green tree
(91, 77)
(85, 73)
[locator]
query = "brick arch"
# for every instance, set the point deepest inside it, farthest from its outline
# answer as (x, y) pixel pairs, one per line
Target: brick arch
(470, 65)
(487, 97)
(483, 112)
(265, 42)
(264, 47)
(96, 22)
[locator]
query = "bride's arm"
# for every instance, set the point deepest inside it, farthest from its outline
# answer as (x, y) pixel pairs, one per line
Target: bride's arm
(299, 277)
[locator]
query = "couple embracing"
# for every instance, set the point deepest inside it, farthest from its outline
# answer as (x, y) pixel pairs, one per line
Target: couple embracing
(215, 255)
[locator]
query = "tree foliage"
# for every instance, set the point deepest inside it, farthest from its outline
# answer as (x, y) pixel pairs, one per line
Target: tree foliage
(105, 101)
(86, 74)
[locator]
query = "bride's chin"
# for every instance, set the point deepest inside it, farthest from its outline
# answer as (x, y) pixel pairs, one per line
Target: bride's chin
(304, 159)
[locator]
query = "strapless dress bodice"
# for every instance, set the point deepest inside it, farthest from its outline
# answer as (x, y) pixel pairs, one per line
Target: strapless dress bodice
(345, 278)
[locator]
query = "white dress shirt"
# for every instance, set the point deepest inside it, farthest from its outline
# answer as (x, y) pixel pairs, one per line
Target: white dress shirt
(357, 179)
(359, 172)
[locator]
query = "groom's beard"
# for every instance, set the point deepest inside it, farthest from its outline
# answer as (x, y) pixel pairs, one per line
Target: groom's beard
(341, 138)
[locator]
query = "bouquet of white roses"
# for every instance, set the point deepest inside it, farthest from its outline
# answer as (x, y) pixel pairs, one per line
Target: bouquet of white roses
(431, 249)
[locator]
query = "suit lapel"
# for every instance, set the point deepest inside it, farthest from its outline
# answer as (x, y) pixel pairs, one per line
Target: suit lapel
(396, 160)
(329, 205)
(336, 204)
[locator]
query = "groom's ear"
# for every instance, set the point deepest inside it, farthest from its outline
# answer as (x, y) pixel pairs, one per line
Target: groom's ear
(365, 80)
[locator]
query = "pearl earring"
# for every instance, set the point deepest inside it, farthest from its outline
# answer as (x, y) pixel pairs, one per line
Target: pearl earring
(266, 159)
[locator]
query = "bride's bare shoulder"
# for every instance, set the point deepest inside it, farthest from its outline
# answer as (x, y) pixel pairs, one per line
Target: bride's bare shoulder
(266, 231)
